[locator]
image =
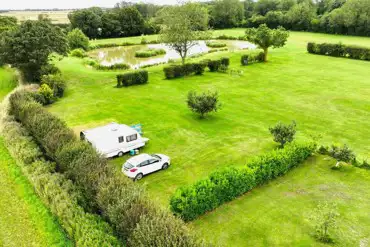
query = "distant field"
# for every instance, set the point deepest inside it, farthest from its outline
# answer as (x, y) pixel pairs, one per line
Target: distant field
(57, 17)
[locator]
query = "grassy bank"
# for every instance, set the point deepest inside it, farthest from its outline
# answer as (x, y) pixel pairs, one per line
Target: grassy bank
(8, 81)
(25, 221)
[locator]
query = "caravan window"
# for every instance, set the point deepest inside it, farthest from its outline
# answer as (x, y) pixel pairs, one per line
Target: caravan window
(121, 139)
(131, 138)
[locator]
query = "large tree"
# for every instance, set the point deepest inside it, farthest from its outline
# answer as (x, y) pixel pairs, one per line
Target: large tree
(265, 37)
(130, 20)
(182, 26)
(227, 13)
(88, 21)
(29, 46)
(7, 23)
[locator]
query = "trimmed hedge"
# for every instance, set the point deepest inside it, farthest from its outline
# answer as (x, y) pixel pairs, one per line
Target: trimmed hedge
(150, 53)
(133, 78)
(177, 71)
(190, 202)
(215, 44)
(339, 50)
(252, 58)
(217, 65)
(56, 191)
(103, 188)
(116, 66)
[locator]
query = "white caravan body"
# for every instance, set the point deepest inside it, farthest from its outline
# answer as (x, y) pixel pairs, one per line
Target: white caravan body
(114, 139)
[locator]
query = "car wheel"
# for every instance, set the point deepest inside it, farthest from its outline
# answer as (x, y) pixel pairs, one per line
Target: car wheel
(165, 166)
(120, 154)
(138, 176)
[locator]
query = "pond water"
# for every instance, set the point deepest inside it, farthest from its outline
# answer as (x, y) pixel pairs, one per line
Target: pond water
(126, 54)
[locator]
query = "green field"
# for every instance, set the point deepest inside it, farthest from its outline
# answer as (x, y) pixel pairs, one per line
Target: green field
(326, 96)
(24, 220)
(8, 81)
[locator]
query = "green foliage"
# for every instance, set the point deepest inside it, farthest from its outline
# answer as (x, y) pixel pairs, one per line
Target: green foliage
(339, 50)
(325, 219)
(56, 191)
(77, 40)
(7, 23)
(204, 103)
(265, 37)
(80, 53)
(182, 26)
(219, 187)
(29, 46)
(150, 52)
(343, 153)
(177, 71)
(214, 65)
(133, 78)
(226, 13)
(116, 66)
(252, 57)
(56, 83)
(45, 95)
(283, 133)
(214, 44)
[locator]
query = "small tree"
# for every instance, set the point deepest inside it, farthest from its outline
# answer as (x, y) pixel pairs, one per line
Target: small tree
(283, 133)
(77, 39)
(182, 27)
(265, 37)
(344, 154)
(204, 103)
(325, 219)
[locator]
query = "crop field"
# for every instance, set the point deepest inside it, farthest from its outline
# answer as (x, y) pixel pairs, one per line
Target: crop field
(328, 98)
(57, 17)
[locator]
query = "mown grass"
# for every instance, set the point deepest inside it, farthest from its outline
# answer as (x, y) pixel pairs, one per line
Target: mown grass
(24, 220)
(8, 81)
(326, 96)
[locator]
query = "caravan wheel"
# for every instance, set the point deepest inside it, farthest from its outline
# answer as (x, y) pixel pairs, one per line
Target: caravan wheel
(120, 154)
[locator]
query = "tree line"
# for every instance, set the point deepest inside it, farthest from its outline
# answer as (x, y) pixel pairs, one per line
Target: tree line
(327, 16)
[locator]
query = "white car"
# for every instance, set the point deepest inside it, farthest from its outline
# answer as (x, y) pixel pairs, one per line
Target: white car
(143, 164)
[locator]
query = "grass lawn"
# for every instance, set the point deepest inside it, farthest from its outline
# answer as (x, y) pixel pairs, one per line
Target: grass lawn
(8, 81)
(278, 214)
(324, 95)
(24, 220)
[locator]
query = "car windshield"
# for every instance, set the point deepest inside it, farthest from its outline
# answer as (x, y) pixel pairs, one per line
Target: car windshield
(156, 156)
(128, 165)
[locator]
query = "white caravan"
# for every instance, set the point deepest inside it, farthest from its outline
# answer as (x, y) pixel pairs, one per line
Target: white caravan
(114, 139)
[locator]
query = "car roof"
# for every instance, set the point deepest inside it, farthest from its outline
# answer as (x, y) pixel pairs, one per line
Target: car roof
(139, 158)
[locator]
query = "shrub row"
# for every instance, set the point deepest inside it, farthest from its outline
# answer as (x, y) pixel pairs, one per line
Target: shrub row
(339, 50)
(150, 52)
(215, 44)
(219, 64)
(223, 186)
(227, 37)
(116, 66)
(56, 191)
(104, 189)
(109, 45)
(252, 57)
(177, 71)
(217, 50)
(133, 78)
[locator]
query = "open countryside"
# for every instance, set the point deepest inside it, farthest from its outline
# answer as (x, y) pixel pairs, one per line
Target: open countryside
(258, 145)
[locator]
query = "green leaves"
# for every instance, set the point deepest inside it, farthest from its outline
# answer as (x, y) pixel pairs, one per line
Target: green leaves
(203, 104)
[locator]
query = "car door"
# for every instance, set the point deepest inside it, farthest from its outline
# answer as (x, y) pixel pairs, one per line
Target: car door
(145, 167)
(154, 164)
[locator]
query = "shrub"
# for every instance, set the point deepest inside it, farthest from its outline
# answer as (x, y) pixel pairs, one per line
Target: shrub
(252, 57)
(56, 83)
(150, 52)
(204, 103)
(342, 153)
(215, 44)
(325, 219)
(80, 53)
(116, 66)
(219, 187)
(77, 40)
(45, 94)
(283, 133)
(214, 65)
(225, 61)
(90, 62)
(339, 50)
(177, 71)
(133, 78)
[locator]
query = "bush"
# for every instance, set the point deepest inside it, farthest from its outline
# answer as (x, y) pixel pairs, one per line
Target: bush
(55, 190)
(116, 66)
(225, 61)
(342, 153)
(80, 53)
(283, 133)
(214, 44)
(204, 103)
(45, 95)
(90, 62)
(214, 65)
(219, 187)
(177, 71)
(56, 83)
(77, 40)
(150, 52)
(133, 78)
(339, 50)
(252, 58)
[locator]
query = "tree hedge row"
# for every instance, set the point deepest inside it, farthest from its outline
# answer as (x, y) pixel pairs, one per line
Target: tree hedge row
(55, 190)
(190, 202)
(339, 50)
(133, 78)
(104, 189)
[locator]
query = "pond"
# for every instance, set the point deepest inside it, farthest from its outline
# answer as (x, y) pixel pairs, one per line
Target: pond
(126, 54)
